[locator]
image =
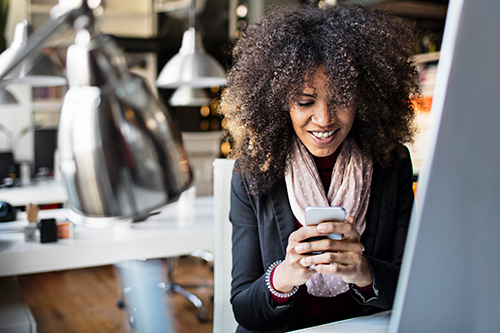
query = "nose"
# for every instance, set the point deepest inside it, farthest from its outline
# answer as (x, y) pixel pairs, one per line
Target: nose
(323, 115)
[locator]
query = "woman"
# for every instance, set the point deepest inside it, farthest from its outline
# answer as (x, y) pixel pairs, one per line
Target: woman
(318, 105)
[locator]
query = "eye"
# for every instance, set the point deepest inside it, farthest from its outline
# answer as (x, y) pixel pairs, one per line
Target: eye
(305, 104)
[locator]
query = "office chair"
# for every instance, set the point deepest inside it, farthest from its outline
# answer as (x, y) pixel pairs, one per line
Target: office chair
(173, 287)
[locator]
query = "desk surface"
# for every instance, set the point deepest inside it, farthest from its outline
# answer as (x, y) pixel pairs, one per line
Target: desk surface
(40, 193)
(173, 232)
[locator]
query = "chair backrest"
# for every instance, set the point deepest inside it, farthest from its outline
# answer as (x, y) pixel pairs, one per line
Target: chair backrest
(223, 313)
(202, 148)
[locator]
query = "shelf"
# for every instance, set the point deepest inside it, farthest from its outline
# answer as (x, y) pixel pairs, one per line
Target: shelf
(417, 9)
(426, 57)
(125, 18)
(39, 8)
(139, 11)
(47, 104)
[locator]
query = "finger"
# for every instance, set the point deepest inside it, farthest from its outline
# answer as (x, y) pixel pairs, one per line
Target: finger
(331, 269)
(339, 269)
(326, 258)
(341, 230)
(291, 274)
(351, 232)
(329, 245)
(309, 247)
(343, 258)
(304, 233)
(327, 228)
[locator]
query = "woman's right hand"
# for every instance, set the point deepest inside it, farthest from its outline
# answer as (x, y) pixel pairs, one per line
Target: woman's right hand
(290, 272)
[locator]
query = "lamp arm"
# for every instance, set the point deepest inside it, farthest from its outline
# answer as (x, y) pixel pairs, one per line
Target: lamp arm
(192, 14)
(38, 38)
(8, 134)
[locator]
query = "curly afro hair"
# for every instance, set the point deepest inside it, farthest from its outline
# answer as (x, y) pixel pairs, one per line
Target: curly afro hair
(365, 55)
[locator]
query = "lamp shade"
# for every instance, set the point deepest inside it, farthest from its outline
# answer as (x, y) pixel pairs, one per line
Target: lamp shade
(120, 154)
(189, 96)
(6, 97)
(37, 70)
(191, 66)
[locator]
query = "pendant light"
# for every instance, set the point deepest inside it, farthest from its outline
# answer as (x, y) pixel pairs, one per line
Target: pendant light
(189, 96)
(192, 66)
(6, 97)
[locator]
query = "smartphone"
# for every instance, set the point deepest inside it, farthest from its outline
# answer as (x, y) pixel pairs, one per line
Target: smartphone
(316, 215)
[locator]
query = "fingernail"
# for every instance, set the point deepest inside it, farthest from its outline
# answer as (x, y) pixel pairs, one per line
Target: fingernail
(303, 262)
(299, 248)
(321, 227)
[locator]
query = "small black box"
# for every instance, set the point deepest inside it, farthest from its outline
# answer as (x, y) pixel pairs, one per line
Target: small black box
(48, 230)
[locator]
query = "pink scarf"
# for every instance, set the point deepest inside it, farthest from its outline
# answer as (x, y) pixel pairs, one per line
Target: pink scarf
(349, 188)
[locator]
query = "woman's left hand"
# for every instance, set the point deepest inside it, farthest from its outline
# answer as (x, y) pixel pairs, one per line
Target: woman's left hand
(342, 257)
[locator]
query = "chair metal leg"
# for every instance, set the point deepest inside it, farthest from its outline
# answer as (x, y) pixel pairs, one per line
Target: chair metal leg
(202, 314)
(121, 301)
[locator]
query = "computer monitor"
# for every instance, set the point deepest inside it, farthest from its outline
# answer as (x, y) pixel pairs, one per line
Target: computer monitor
(451, 266)
(45, 145)
(7, 165)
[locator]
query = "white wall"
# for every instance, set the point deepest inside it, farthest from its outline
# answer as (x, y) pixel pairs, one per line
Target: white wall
(17, 117)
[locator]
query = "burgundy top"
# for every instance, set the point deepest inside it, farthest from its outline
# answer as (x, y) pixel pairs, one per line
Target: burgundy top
(310, 310)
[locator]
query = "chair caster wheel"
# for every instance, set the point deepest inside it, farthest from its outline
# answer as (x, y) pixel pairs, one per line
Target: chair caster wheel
(121, 304)
(202, 315)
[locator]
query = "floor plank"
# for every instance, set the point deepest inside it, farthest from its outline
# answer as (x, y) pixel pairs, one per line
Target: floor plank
(85, 300)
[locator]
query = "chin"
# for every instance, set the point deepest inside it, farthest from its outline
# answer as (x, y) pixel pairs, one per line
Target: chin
(322, 152)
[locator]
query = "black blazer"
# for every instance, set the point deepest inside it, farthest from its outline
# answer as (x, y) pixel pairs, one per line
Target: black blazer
(262, 225)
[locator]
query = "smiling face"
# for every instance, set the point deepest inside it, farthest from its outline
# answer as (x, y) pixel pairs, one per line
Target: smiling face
(319, 127)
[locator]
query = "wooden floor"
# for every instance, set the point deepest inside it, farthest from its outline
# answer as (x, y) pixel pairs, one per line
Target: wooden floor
(85, 300)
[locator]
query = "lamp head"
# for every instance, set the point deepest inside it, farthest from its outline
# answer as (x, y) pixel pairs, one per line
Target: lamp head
(120, 154)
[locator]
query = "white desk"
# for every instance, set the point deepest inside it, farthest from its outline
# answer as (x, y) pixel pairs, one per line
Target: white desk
(168, 234)
(40, 193)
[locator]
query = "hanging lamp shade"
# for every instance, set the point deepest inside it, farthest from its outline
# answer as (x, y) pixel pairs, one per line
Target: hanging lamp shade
(6, 97)
(189, 96)
(192, 66)
(37, 70)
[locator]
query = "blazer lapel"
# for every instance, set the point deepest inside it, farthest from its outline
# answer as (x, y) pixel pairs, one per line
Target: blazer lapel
(372, 214)
(285, 220)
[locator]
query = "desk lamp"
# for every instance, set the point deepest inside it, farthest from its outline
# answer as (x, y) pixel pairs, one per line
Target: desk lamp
(120, 155)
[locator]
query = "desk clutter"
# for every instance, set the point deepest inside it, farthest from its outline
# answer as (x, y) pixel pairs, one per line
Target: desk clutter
(45, 230)
(7, 212)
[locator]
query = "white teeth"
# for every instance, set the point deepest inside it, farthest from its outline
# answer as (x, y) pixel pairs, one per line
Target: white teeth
(323, 135)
